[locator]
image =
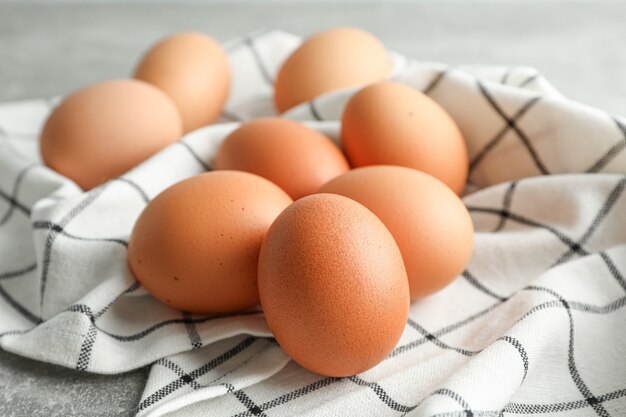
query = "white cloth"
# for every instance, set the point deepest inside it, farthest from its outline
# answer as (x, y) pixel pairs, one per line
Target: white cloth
(534, 326)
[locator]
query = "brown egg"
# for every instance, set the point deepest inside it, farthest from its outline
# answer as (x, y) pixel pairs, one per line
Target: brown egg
(389, 123)
(429, 222)
(295, 157)
(332, 285)
(330, 60)
(193, 69)
(196, 246)
(100, 132)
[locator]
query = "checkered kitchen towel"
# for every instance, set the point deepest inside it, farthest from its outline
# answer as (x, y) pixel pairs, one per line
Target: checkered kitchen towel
(536, 325)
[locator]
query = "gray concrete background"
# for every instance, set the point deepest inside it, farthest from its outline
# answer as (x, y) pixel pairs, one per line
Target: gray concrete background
(51, 47)
(34, 389)
(48, 48)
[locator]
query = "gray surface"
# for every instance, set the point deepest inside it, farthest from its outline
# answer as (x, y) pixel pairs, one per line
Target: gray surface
(35, 389)
(49, 49)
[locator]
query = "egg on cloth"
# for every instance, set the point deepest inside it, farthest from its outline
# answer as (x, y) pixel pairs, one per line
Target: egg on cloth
(333, 285)
(330, 60)
(295, 157)
(390, 123)
(195, 247)
(429, 222)
(193, 69)
(102, 131)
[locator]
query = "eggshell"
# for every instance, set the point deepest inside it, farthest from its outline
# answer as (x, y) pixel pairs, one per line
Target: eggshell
(195, 247)
(332, 285)
(100, 132)
(193, 69)
(330, 60)
(389, 123)
(430, 224)
(295, 157)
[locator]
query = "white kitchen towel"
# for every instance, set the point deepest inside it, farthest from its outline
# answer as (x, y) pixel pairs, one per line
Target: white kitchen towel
(534, 326)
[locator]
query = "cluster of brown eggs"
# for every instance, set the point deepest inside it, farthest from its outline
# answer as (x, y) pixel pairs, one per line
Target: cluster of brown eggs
(334, 243)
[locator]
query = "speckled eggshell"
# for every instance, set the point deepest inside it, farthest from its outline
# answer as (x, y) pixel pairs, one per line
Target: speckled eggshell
(330, 60)
(195, 247)
(332, 285)
(429, 222)
(193, 69)
(102, 131)
(390, 123)
(295, 157)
